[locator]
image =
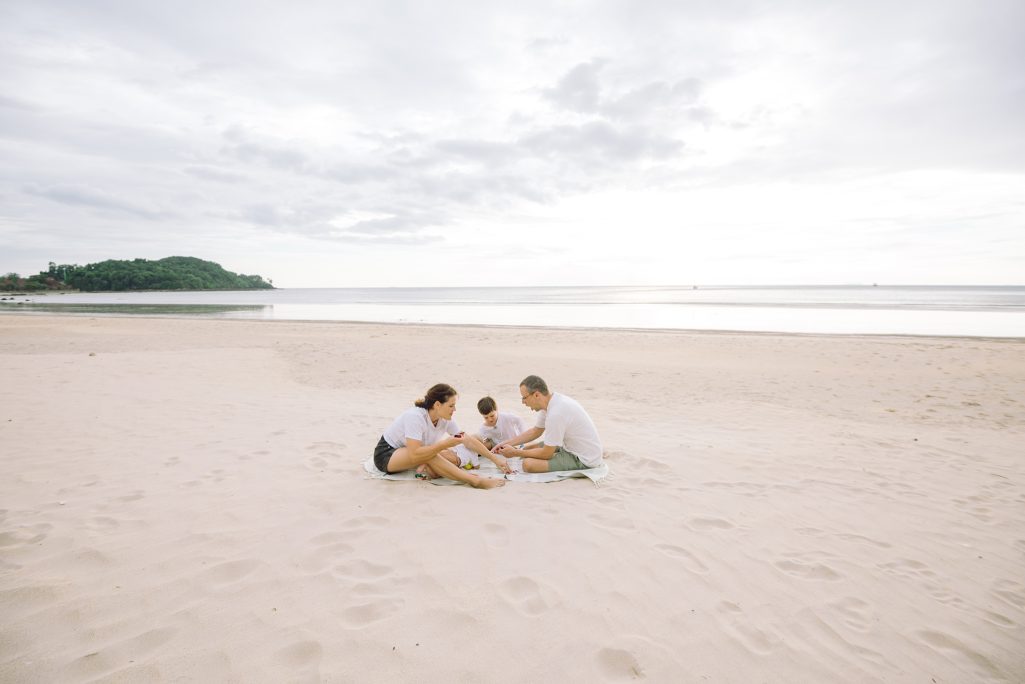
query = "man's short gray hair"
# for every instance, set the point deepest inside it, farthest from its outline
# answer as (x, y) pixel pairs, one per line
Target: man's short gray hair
(535, 384)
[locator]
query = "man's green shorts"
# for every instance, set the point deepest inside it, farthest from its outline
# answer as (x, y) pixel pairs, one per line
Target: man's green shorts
(564, 460)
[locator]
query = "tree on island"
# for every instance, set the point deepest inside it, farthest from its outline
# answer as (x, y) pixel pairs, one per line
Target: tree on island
(171, 273)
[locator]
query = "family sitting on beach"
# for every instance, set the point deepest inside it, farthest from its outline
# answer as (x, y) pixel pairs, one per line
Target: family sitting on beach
(426, 438)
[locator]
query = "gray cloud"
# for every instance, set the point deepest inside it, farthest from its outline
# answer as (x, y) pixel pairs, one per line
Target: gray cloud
(92, 198)
(214, 174)
(224, 117)
(579, 89)
(601, 141)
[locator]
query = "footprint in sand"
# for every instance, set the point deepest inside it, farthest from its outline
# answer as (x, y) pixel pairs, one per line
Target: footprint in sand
(613, 499)
(998, 619)
(702, 524)
(1010, 592)
(324, 555)
(906, 567)
(688, 559)
(301, 654)
(326, 455)
(215, 475)
(361, 570)
(496, 535)
(742, 488)
(150, 640)
(25, 535)
(618, 665)
(658, 467)
(856, 614)
(524, 594)
(943, 595)
(958, 651)
(229, 572)
(616, 523)
(805, 566)
(372, 611)
(740, 627)
(454, 621)
(104, 662)
(89, 558)
(863, 539)
(362, 523)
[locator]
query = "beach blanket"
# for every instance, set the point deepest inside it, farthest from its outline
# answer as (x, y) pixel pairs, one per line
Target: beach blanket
(488, 469)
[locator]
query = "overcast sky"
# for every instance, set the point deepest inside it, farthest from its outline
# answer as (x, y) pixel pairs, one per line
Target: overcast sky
(531, 143)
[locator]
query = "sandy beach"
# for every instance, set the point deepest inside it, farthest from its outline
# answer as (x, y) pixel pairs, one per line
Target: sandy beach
(184, 500)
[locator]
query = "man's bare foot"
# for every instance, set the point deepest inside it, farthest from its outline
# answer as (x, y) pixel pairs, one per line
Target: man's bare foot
(425, 472)
(488, 483)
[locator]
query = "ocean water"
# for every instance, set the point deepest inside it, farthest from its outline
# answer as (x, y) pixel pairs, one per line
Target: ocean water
(867, 310)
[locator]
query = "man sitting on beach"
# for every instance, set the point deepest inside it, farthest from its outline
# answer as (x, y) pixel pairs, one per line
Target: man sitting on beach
(570, 438)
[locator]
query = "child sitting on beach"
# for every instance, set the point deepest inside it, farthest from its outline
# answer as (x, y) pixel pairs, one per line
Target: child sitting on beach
(498, 427)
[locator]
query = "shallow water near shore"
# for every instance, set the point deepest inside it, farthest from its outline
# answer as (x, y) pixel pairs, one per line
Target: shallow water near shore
(893, 310)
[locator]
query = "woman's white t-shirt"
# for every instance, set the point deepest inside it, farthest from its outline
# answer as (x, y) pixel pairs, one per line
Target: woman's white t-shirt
(415, 424)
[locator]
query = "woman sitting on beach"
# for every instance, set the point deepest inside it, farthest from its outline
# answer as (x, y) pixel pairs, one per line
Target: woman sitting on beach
(421, 436)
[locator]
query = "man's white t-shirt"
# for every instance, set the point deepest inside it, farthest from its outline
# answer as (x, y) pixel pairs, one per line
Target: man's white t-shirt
(415, 424)
(508, 426)
(567, 424)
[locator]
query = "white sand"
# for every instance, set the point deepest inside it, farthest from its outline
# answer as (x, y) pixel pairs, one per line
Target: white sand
(188, 505)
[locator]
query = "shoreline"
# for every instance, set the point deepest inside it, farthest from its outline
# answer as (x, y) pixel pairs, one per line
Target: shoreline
(484, 326)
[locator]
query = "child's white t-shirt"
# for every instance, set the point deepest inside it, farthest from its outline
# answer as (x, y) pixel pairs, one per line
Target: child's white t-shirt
(508, 426)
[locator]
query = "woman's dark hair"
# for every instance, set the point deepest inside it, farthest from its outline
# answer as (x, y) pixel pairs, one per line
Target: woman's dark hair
(440, 392)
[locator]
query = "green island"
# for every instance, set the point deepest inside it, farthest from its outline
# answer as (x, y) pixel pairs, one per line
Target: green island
(171, 273)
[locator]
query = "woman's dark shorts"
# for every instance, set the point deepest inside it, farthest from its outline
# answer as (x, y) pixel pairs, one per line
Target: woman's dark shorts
(382, 454)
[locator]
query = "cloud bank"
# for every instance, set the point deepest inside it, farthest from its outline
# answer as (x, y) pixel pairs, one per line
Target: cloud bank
(329, 139)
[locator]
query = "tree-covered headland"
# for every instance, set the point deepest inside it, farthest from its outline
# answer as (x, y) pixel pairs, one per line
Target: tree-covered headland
(172, 273)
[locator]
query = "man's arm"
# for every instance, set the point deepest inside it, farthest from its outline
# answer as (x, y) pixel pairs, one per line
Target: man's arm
(544, 453)
(522, 438)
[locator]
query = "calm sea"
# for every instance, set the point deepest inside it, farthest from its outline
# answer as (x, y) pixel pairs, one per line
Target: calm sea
(905, 310)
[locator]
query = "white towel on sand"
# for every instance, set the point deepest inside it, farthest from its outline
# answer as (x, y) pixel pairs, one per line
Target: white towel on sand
(488, 469)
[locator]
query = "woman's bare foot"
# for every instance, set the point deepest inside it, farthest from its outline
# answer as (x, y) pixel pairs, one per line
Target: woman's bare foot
(487, 483)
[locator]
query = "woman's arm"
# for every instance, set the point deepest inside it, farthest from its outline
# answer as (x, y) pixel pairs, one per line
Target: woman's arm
(418, 449)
